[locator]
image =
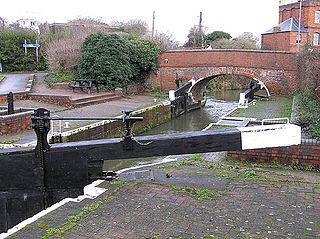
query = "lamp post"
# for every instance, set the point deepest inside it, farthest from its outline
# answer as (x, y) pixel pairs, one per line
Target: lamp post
(299, 28)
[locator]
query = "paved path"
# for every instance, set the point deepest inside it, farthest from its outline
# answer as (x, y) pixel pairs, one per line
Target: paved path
(14, 83)
(194, 199)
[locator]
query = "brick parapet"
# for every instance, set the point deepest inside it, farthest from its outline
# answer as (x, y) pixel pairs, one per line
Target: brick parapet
(16, 96)
(259, 59)
(15, 122)
(303, 154)
(53, 99)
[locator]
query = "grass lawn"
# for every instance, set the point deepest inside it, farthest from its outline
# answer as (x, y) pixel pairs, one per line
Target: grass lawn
(1, 78)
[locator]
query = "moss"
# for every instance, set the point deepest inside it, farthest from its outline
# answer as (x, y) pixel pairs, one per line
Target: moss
(194, 160)
(286, 111)
(199, 194)
(11, 141)
(71, 222)
(27, 228)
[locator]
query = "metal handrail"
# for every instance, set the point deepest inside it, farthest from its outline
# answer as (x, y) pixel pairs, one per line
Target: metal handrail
(275, 119)
(88, 118)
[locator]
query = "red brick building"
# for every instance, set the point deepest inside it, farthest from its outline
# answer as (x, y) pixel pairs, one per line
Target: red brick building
(284, 36)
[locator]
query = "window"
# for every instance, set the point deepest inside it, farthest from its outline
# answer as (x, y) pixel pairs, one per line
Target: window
(316, 39)
(317, 17)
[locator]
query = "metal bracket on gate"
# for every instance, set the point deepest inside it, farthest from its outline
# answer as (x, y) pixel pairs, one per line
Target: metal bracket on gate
(106, 175)
(128, 141)
(41, 124)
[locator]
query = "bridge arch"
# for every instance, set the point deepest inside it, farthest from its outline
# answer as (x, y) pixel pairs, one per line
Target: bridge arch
(199, 85)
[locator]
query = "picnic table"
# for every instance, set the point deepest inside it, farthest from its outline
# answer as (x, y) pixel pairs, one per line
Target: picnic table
(85, 83)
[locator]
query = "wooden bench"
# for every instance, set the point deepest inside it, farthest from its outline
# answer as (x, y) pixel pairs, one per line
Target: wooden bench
(85, 83)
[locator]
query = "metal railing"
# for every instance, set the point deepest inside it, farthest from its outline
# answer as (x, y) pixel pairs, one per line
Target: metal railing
(275, 120)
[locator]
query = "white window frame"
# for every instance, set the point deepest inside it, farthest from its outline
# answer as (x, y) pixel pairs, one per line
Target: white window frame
(316, 37)
(317, 17)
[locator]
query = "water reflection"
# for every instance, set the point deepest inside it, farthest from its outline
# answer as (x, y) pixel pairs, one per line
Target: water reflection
(195, 120)
(226, 95)
(217, 105)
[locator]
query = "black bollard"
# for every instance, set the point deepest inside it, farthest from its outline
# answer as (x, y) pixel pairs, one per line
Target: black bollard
(10, 103)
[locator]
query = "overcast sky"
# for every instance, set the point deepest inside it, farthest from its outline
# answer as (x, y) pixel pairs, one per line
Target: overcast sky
(175, 17)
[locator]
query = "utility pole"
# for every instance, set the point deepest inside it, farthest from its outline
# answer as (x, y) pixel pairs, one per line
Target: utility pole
(200, 30)
(200, 21)
(154, 13)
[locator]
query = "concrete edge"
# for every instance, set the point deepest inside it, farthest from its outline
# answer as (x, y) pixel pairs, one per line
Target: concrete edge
(91, 191)
(30, 83)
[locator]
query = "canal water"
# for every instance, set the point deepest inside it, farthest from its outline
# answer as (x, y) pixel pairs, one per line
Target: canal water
(217, 105)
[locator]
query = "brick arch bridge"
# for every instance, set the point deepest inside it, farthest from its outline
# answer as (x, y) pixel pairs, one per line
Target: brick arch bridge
(277, 70)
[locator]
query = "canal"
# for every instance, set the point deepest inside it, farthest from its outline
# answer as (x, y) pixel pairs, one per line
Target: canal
(218, 104)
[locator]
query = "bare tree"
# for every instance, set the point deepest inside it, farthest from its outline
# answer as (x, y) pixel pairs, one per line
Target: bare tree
(196, 37)
(63, 53)
(63, 41)
(245, 41)
(87, 20)
(165, 41)
(135, 27)
(80, 28)
(3, 23)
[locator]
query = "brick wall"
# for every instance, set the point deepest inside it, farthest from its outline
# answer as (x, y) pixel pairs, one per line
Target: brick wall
(283, 41)
(307, 16)
(16, 96)
(307, 12)
(15, 122)
(52, 99)
(303, 154)
(276, 69)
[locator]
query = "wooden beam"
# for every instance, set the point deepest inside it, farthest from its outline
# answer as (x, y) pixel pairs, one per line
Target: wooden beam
(158, 145)
(182, 89)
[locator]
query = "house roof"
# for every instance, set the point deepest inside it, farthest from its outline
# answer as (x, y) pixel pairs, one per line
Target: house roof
(290, 25)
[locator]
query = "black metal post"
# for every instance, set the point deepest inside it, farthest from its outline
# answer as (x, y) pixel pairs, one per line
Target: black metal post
(10, 103)
(41, 125)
